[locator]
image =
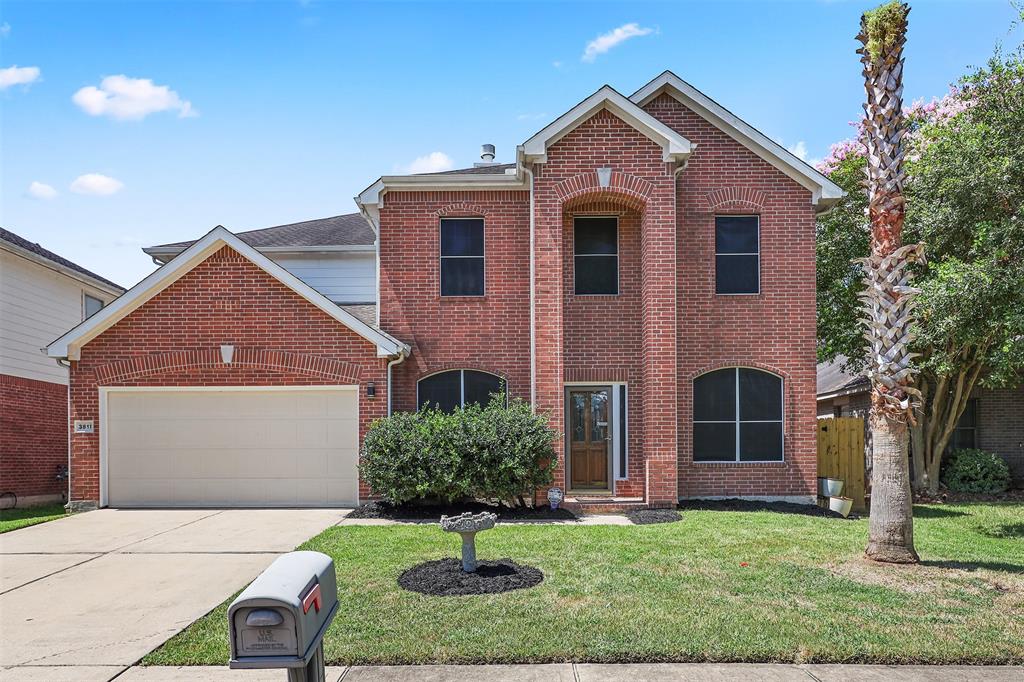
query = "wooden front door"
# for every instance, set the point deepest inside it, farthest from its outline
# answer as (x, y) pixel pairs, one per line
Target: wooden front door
(589, 438)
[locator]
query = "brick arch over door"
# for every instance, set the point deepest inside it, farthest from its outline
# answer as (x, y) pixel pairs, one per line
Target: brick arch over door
(313, 366)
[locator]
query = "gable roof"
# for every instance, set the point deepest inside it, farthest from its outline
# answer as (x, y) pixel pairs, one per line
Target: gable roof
(833, 381)
(35, 252)
(825, 193)
(349, 230)
(674, 146)
(69, 345)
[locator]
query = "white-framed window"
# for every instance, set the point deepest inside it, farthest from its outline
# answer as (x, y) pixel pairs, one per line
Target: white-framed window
(91, 305)
(462, 256)
(737, 254)
(595, 255)
(457, 388)
(737, 416)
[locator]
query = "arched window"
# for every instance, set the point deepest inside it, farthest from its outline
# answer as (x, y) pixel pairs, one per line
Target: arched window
(457, 388)
(737, 416)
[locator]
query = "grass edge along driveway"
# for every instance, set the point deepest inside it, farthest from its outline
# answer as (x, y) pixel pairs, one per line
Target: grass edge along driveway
(23, 517)
(717, 586)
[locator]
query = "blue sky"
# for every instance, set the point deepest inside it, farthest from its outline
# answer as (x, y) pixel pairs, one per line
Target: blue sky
(258, 114)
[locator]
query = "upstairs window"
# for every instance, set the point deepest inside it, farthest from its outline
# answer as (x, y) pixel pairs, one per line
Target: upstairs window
(737, 255)
(462, 257)
(458, 388)
(92, 306)
(596, 256)
(737, 416)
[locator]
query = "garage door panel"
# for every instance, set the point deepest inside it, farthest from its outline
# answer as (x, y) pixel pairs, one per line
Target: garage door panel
(232, 447)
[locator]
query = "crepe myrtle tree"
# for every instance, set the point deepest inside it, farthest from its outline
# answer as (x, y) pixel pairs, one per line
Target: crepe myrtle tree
(965, 202)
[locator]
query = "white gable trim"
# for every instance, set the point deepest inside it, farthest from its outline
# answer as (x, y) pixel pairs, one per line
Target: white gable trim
(824, 192)
(69, 346)
(674, 146)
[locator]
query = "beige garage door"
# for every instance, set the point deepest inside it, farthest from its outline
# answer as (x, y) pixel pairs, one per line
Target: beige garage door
(239, 448)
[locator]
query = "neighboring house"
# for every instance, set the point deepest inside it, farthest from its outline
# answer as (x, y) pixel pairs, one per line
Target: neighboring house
(993, 419)
(643, 273)
(41, 296)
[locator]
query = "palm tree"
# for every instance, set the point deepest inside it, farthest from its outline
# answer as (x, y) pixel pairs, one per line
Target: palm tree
(888, 299)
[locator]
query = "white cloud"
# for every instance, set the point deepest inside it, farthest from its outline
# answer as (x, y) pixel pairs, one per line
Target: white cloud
(96, 185)
(557, 64)
(130, 99)
(607, 41)
(5, 30)
(40, 190)
(799, 150)
(431, 163)
(18, 75)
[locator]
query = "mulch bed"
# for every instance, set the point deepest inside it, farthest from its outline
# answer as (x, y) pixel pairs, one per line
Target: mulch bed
(428, 512)
(737, 505)
(445, 578)
(642, 517)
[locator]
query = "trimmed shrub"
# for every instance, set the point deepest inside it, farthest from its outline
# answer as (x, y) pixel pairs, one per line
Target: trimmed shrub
(494, 452)
(975, 471)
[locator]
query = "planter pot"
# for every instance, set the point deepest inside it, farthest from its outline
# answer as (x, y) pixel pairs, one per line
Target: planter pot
(830, 487)
(842, 505)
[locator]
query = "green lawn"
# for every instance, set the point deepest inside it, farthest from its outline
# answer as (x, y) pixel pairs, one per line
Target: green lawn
(13, 519)
(678, 592)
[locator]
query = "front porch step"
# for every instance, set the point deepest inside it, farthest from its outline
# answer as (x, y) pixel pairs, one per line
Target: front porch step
(603, 504)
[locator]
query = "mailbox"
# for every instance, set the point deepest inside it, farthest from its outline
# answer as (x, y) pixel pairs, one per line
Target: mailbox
(279, 620)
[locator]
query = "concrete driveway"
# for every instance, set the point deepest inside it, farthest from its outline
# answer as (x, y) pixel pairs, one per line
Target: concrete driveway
(85, 597)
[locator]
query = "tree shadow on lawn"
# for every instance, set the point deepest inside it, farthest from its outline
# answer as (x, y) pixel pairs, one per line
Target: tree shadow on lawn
(936, 512)
(977, 565)
(1004, 531)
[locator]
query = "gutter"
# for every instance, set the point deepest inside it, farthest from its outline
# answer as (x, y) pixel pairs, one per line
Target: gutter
(402, 355)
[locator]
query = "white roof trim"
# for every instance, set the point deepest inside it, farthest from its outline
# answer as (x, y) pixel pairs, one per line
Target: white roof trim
(825, 192)
(70, 344)
(165, 253)
(62, 269)
(674, 146)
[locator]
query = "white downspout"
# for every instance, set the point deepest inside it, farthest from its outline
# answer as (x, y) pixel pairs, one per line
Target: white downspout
(533, 303)
(397, 361)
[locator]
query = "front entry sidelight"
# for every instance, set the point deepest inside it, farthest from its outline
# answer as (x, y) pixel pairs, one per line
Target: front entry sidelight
(590, 438)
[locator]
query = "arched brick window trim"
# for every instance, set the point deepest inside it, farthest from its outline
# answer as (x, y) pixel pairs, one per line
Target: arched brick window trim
(736, 198)
(311, 365)
(622, 188)
(788, 419)
(462, 209)
(447, 367)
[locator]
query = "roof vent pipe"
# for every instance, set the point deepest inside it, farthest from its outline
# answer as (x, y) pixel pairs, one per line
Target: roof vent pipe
(487, 153)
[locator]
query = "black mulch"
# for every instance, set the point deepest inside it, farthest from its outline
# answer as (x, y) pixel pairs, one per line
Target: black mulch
(643, 517)
(737, 505)
(445, 578)
(427, 512)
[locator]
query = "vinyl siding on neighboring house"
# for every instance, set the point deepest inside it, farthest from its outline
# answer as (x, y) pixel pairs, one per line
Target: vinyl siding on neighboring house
(37, 305)
(343, 278)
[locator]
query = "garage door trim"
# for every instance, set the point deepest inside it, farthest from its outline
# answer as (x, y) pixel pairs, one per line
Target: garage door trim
(104, 391)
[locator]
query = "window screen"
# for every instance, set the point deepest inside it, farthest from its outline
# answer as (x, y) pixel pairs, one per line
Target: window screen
(737, 416)
(456, 388)
(462, 257)
(596, 255)
(737, 255)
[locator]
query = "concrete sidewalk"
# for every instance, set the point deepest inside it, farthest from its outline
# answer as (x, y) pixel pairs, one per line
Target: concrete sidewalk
(563, 672)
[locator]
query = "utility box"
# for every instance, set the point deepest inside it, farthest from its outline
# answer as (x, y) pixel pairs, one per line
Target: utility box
(279, 620)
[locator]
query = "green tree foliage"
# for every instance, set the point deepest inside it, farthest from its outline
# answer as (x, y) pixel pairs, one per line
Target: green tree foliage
(492, 452)
(965, 202)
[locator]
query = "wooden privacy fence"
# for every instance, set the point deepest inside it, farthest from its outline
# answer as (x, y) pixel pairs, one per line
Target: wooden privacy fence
(841, 455)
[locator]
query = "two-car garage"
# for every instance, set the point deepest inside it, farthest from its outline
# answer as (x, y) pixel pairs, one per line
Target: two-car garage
(271, 446)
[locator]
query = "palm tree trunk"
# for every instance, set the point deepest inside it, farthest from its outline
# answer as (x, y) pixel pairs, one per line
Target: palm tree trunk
(891, 536)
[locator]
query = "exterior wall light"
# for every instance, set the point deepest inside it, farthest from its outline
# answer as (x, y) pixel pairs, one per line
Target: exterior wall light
(371, 389)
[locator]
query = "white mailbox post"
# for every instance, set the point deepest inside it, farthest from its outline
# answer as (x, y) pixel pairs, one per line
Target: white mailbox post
(279, 620)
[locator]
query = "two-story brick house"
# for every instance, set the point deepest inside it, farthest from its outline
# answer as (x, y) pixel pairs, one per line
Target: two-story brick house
(643, 273)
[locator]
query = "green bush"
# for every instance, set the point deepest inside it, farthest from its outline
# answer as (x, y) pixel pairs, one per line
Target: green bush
(496, 452)
(975, 471)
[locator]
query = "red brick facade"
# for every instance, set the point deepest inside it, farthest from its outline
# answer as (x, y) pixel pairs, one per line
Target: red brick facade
(33, 436)
(174, 339)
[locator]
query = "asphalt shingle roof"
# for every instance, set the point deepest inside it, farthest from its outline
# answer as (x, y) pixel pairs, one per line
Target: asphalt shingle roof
(350, 229)
(21, 242)
(832, 378)
(496, 169)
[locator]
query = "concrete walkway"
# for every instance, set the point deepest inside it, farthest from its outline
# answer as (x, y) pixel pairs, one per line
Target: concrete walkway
(583, 672)
(83, 598)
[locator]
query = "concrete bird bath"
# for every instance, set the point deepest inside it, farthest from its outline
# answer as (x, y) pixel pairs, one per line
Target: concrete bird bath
(468, 525)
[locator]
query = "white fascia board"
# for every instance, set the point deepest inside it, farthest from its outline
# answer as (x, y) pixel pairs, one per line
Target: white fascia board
(824, 192)
(165, 253)
(57, 267)
(674, 146)
(69, 345)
